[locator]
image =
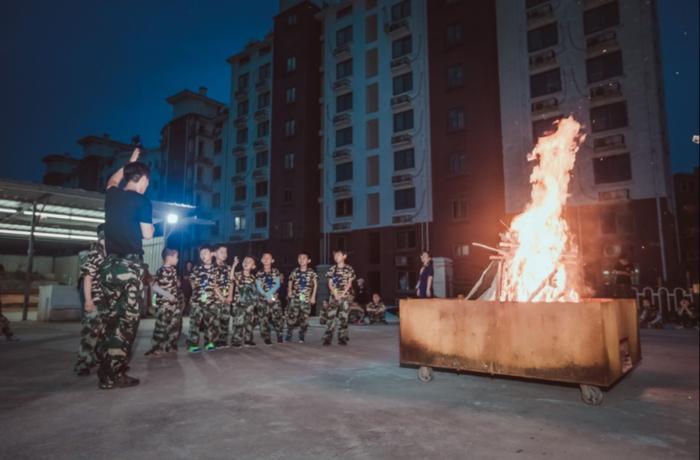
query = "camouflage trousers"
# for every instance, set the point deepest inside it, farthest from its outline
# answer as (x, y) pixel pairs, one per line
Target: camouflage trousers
(375, 317)
(298, 313)
(224, 319)
(337, 317)
(204, 323)
(91, 334)
(270, 316)
(166, 331)
(243, 322)
(122, 283)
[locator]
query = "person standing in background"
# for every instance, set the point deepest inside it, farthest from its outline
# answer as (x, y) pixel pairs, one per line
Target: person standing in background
(424, 287)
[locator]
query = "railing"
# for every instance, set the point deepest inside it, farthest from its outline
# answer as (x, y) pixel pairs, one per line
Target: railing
(664, 298)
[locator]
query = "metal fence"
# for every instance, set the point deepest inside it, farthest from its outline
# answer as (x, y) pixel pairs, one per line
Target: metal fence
(665, 298)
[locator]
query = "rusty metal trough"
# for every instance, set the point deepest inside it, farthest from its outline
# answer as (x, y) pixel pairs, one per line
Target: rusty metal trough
(593, 343)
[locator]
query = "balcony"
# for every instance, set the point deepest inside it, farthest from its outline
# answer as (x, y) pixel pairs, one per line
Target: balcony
(342, 154)
(539, 15)
(237, 207)
(240, 122)
(258, 204)
(402, 179)
(622, 194)
(342, 190)
(402, 219)
(400, 64)
(588, 4)
(241, 94)
(545, 59)
(260, 173)
(602, 43)
(342, 226)
(342, 51)
(344, 84)
(400, 140)
(606, 92)
(342, 119)
(544, 106)
(262, 85)
(400, 102)
(259, 145)
(397, 28)
(608, 143)
(238, 178)
(261, 115)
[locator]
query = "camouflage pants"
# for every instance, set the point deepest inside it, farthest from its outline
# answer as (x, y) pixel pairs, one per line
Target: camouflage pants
(224, 319)
(355, 315)
(122, 283)
(337, 317)
(90, 335)
(270, 315)
(166, 332)
(203, 322)
(298, 313)
(375, 317)
(243, 322)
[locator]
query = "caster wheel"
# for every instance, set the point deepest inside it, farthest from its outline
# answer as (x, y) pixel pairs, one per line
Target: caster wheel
(425, 374)
(592, 395)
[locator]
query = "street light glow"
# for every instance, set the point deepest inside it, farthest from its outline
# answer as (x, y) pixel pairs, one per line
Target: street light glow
(171, 218)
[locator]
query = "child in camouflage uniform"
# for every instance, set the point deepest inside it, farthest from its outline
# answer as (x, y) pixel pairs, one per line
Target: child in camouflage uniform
(269, 311)
(224, 293)
(93, 318)
(203, 320)
(301, 294)
(376, 310)
(246, 300)
(168, 302)
(340, 278)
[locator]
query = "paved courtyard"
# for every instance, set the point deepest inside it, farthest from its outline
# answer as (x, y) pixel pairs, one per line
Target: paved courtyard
(297, 401)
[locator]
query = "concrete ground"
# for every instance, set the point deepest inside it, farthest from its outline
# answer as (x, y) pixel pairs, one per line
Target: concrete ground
(297, 401)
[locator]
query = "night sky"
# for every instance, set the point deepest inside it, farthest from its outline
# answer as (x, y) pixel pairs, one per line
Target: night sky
(73, 68)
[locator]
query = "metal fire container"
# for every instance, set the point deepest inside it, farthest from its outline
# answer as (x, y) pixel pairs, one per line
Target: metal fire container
(593, 343)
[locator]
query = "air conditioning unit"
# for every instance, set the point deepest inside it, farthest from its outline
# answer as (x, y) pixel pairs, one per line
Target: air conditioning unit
(546, 105)
(400, 139)
(238, 178)
(540, 12)
(342, 154)
(401, 261)
(341, 119)
(238, 150)
(397, 27)
(543, 59)
(342, 84)
(341, 50)
(604, 39)
(261, 114)
(402, 179)
(402, 219)
(603, 144)
(399, 64)
(259, 144)
(613, 89)
(400, 101)
(342, 189)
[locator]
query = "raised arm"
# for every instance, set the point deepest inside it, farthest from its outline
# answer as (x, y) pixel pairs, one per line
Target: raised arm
(117, 177)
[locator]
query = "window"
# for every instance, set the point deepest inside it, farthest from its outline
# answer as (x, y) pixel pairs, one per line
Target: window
(343, 36)
(612, 222)
(218, 146)
(541, 128)
(405, 198)
(372, 134)
(601, 18)
(291, 64)
(287, 230)
(614, 168)
(241, 164)
(260, 219)
(261, 159)
(372, 171)
(343, 172)
(459, 209)
(264, 72)
(263, 129)
(242, 136)
(216, 173)
(343, 69)
(292, 20)
(239, 224)
(455, 75)
(371, 28)
(542, 37)
(405, 239)
(461, 250)
(609, 116)
(402, 83)
(243, 81)
(239, 193)
(263, 100)
(343, 102)
(372, 96)
(401, 47)
(288, 161)
(401, 10)
(545, 83)
(455, 34)
(455, 119)
(291, 95)
(373, 209)
(343, 12)
(290, 128)
(458, 163)
(261, 189)
(216, 201)
(343, 207)
(371, 63)
(403, 121)
(404, 159)
(242, 108)
(287, 196)
(603, 67)
(343, 136)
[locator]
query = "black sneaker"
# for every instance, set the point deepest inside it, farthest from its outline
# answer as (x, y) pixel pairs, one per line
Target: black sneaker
(125, 381)
(326, 343)
(105, 384)
(268, 342)
(342, 342)
(236, 345)
(249, 343)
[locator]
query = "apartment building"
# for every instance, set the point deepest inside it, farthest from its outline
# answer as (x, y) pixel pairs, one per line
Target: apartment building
(687, 188)
(598, 60)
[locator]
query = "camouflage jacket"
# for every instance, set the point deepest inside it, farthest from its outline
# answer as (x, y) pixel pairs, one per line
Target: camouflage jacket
(341, 277)
(246, 291)
(269, 283)
(223, 281)
(166, 278)
(303, 283)
(91, 266)
(203, 279)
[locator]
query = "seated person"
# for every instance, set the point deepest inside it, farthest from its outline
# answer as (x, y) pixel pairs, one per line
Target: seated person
(650, 315)
(686, 315)
(375, 310)
(356, 315)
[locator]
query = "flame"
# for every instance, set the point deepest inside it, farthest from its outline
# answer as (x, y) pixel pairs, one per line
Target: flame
(534, 269)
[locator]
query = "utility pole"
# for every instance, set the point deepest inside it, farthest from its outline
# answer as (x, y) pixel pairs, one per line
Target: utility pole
(30, 264)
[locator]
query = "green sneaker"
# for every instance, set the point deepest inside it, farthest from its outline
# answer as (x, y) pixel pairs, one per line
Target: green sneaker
(210, 346)
(194, 349)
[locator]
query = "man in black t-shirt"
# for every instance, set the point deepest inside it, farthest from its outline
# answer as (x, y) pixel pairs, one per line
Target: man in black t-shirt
(128, 221)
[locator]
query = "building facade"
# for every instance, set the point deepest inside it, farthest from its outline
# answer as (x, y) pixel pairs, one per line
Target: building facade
(687, 189)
